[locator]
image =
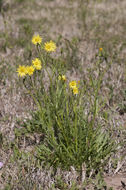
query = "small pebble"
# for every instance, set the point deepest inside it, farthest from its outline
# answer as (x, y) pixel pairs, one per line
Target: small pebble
(1, 164)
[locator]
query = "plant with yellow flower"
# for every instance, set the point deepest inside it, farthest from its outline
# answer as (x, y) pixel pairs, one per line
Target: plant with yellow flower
(62, 116)
(50, 46)
(36, 39)
(73, 84)
(100, 49)
(30, 70)
(62, 77)
(22, 71)
(75, 90)
(37, 64)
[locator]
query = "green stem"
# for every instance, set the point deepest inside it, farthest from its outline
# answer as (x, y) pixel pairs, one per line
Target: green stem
(76, 131)
(44, 63)
(35, 100)
(96, 96)
(33, 97)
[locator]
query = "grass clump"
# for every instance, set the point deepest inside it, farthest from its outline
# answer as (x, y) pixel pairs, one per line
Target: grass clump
(67, 112)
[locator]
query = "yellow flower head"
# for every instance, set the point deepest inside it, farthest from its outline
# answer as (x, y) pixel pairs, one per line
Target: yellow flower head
(59, 77)
(37, 64)
(22, 71)
(36, 39)
(30, 70)
(50, 46)
(73, 84)
(63, 77)
(100, 49)
(75, 90)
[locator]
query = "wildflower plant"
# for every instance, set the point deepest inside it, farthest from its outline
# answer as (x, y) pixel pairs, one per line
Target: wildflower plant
(37, 64)
(21, 71)
(67, 112)
(50, 46)
(36, 40)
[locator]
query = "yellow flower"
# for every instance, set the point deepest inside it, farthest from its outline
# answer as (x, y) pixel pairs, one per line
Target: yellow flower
(30, 70)
(36, 39)
(63, 77)
(100, 49)
(75, 90)
(59, 77)
(22, 71)
(50, 46)
(73, 84)
(37, 64)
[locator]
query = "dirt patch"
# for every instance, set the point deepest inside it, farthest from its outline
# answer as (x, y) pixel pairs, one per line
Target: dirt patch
(117, 182)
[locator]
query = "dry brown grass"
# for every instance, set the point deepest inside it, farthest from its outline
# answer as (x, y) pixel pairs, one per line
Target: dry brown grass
(95, 24)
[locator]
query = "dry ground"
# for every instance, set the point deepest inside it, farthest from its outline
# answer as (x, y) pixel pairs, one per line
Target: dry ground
(93, 24)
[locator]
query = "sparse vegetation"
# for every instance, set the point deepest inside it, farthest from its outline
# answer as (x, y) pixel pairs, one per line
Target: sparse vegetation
(62, 114)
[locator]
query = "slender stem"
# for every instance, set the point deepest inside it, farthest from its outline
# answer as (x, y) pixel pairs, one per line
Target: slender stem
(33, 97)
(35, 100)
(76, 131)
(100, 76)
